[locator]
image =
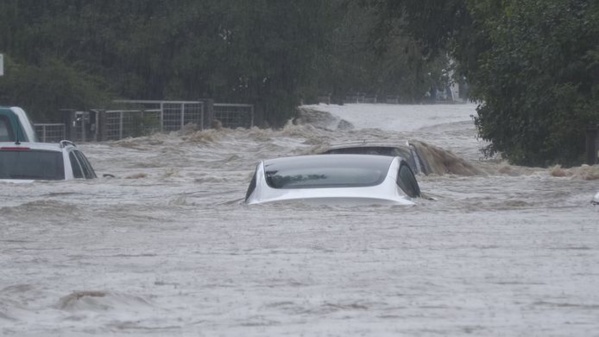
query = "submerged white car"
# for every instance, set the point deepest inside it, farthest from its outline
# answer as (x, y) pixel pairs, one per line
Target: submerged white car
(27, 162)
(334, 178)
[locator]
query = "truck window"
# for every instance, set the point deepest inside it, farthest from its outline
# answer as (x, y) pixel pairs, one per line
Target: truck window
(6, 133)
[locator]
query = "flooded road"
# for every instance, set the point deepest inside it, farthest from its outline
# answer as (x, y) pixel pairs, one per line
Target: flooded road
(168, 248)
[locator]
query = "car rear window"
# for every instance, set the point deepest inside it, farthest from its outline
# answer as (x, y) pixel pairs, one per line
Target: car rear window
(6, 132)
(315, 173)
(31, 164)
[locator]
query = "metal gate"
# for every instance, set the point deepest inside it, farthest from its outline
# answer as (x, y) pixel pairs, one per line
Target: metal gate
(135, 118)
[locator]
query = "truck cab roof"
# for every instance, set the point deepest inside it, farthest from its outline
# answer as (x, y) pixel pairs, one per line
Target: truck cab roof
(15, 125)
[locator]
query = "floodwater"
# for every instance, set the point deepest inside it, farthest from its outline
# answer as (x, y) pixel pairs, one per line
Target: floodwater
(168, 248)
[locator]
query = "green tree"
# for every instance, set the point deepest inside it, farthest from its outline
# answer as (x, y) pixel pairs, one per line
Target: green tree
(259, 52)
(81, 54)
(532, 66)
(538, 82)
(49, 87)
(272, 47)
(43, 44)
(369, 51)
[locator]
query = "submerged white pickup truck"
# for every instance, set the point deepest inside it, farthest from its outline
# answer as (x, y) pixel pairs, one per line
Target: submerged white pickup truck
(15, 125)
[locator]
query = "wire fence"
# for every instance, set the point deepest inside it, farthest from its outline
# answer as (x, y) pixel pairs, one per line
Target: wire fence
(119, 124)
(234, 115)
(135, 118)
(51, 132)
(175, 115)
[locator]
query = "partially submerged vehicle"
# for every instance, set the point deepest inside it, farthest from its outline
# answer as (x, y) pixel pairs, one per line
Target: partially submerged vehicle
(30, 161)
(337, 179)
(595, 200)
(15, 125)
(423, 158)
(407, 151)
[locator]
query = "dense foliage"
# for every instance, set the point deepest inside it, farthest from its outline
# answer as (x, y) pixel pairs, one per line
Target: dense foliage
(83, 53)
(80, 54)
(539, 80)
(533, 66)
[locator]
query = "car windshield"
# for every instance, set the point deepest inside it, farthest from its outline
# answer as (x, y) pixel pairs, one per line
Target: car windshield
(320, 173)
(31, 164)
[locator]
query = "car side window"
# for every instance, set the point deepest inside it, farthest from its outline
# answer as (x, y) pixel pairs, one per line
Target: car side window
(88, 171)
(407, 181)
(77, 171)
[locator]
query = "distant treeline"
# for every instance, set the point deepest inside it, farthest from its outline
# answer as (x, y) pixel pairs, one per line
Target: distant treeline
(533, 65)
(275, 54)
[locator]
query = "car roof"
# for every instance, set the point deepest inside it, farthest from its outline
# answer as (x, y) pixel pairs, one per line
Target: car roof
(39, 146)
(13, 109)
(359, 144)
(22, 120)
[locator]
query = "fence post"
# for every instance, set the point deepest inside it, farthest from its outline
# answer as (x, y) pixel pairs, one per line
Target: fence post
(68, 118)
(161, 116)
(120, 124)
(259, 114)
(101, 125)
(182, 116)
(592, 146)
(83, 126)
(208, 113)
